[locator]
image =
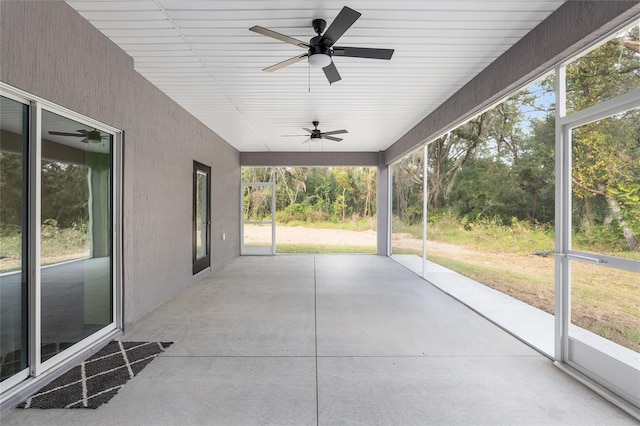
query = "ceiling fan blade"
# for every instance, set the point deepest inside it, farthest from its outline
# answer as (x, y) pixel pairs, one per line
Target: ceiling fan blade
(308, 130)
(331, 138)
(342, 23)
(66, 134)
(269, 33)
(306, 140)
(332, 73)
(285, 63)
(334, 132)
(293, 136)
(362, 52)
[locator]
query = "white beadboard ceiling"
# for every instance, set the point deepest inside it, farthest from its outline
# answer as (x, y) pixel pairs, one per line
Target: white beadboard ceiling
(202, 54)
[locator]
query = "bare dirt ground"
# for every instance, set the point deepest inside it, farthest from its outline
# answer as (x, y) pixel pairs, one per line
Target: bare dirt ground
(335, 237)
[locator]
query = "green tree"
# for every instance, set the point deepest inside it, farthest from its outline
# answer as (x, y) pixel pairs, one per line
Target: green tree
(345, 183)
(65, 192)
(11, 188)
(535, 170)
(408, 188)
(606, 154)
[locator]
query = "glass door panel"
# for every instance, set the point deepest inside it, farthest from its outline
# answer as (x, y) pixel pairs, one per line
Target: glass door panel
(201, 217)
(14, 124)
(201, 214)
(75, 233)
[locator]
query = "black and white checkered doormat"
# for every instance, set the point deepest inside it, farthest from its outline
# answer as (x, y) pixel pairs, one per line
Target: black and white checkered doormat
(99, 378)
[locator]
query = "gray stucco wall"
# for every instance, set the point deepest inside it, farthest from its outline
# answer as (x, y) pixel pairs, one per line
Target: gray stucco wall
(160, 150)
(47, 49)
(309, 159)
(50, 51)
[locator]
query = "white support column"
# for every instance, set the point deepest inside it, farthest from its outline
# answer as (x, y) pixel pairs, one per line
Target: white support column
(562, 222)
(425, 205)
(383, 202)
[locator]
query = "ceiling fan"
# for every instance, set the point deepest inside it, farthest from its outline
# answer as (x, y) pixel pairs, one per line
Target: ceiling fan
(316, 133)
(87, 135)
(321, 48)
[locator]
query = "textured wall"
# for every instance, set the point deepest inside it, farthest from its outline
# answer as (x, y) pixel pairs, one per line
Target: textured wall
(49, 50)
(160, 151)
(575, 25)
(309, 159)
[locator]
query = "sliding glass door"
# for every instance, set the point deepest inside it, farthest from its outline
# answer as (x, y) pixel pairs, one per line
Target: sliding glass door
(59, 239)
(14, 135)
(75, 239)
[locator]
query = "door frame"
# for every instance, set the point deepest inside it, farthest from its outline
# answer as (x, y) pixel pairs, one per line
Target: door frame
(608, 364)
(203, 262)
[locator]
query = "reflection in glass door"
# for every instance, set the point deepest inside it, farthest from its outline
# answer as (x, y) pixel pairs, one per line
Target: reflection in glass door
(201, 217)
(75, 232)
(14, 125)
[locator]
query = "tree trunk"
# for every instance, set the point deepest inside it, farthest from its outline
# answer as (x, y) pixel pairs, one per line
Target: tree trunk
(534, 195)
(614, 212)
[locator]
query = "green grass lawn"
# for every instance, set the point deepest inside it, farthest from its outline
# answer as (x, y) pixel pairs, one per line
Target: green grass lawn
(58, 245)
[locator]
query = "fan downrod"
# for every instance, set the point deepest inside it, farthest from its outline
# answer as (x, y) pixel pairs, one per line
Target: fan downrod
(319, 25)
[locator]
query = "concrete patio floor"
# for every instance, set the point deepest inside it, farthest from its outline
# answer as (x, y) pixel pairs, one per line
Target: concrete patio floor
(329, 340)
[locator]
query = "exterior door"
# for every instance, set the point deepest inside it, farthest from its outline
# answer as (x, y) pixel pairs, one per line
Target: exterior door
(591, 276)
(201, 217)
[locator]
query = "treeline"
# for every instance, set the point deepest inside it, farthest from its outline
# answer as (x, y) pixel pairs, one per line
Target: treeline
(64, 191)
(312, 194)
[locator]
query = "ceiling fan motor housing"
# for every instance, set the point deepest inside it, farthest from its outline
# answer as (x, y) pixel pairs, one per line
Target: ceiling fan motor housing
(318, 48)
(315, 133)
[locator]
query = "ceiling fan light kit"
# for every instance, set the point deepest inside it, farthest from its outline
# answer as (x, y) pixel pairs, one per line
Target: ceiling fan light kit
(319, 60)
